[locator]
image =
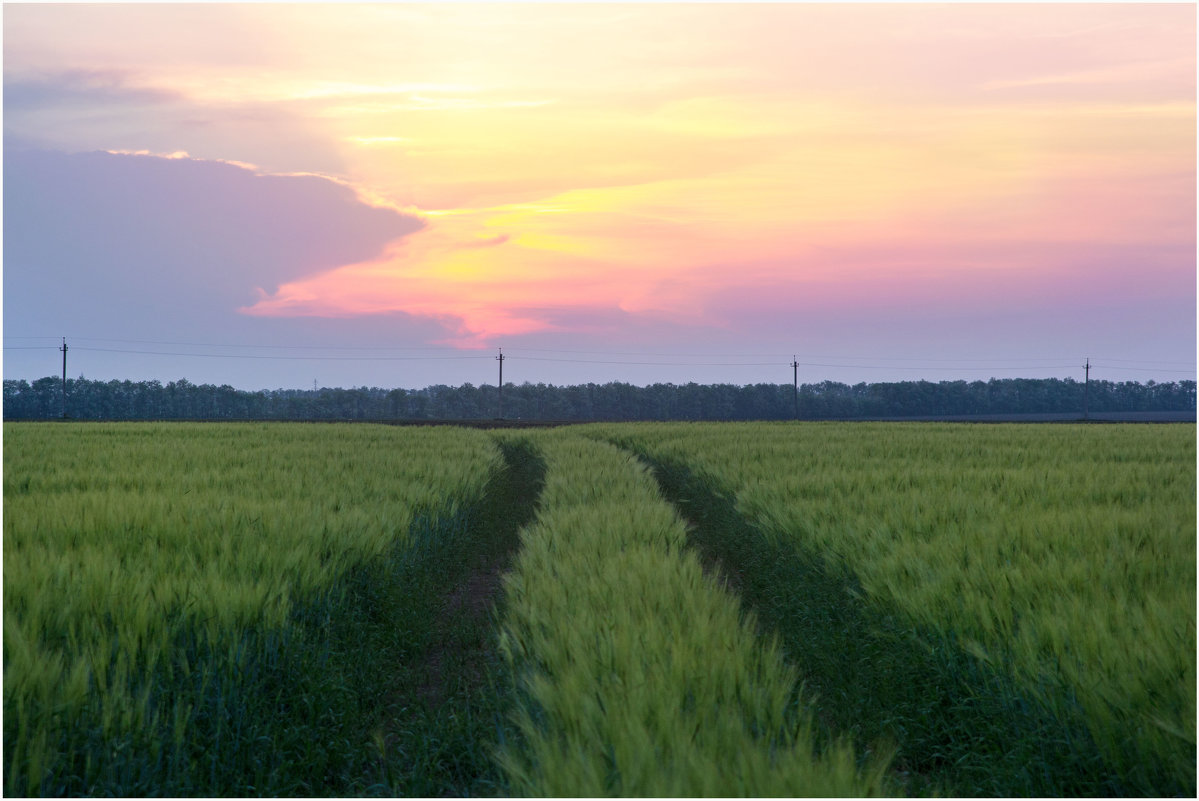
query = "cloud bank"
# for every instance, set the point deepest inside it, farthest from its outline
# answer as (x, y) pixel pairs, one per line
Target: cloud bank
(94, 238)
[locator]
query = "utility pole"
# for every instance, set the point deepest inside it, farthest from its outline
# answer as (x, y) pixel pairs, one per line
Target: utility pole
(1086, 393)
(795, 378)
(64, 377)
(500, 359)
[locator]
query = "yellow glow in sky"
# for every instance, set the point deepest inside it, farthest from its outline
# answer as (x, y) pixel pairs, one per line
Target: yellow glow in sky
(647, 158)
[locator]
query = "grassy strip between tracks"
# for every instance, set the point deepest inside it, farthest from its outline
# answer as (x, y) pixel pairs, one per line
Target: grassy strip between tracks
(636, 674)
(959, 726)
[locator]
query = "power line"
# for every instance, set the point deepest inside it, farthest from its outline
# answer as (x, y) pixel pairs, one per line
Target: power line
(381, 359)
(793, 364)
(660, 359)
(651, 364)
(1142, 361)
(643, 353)
(923, 367)
(282, 347)
(934, 367)
(1147, 369)
(783, 356)
(675, 355)
(600, 352)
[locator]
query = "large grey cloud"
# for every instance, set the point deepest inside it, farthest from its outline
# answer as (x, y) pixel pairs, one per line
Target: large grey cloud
(96, 243)
(88, 109)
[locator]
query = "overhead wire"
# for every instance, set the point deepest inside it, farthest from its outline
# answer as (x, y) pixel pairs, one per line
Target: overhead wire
(677, 359)
(252, 346)
(522, 349)
(788, 357)
(1145, 369)
(1143, 361)
(290, 358)
(651, 364)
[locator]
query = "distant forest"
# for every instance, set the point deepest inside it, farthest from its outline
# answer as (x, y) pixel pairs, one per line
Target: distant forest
(142, 400)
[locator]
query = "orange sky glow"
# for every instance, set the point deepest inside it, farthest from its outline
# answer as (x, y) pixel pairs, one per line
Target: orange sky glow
(660, 160)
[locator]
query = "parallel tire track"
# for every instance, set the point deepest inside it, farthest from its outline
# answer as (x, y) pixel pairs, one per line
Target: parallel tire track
(960, 727)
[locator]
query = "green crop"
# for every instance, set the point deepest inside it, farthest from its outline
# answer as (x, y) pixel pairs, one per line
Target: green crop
(186, 607)
(152, 571)
(639, 675)
(1062, 554)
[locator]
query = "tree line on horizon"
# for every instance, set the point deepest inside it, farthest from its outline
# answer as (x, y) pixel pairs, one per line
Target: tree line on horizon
(153, 400)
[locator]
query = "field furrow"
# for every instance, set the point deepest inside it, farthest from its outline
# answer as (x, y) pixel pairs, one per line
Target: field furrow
(636, 673)
(959, 726)
(238, 609)
(1048, 569)
(444, 691)
(604, 610)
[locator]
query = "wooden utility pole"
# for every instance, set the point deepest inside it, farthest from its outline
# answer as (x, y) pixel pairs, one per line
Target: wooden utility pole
(64, 377)
(795, 378)
(1086, 393)
(500, 359)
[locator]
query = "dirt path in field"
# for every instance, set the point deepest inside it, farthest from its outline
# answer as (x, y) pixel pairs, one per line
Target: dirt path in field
(958, 726)
(463, 642)
(447, 696)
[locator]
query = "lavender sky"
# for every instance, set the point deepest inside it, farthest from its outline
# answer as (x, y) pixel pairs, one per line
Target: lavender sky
(271, 195)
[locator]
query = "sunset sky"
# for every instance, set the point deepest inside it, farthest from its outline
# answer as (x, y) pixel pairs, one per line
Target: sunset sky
(642, 192)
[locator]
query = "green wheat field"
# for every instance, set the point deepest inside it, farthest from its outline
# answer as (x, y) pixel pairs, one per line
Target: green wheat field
(665, 609)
